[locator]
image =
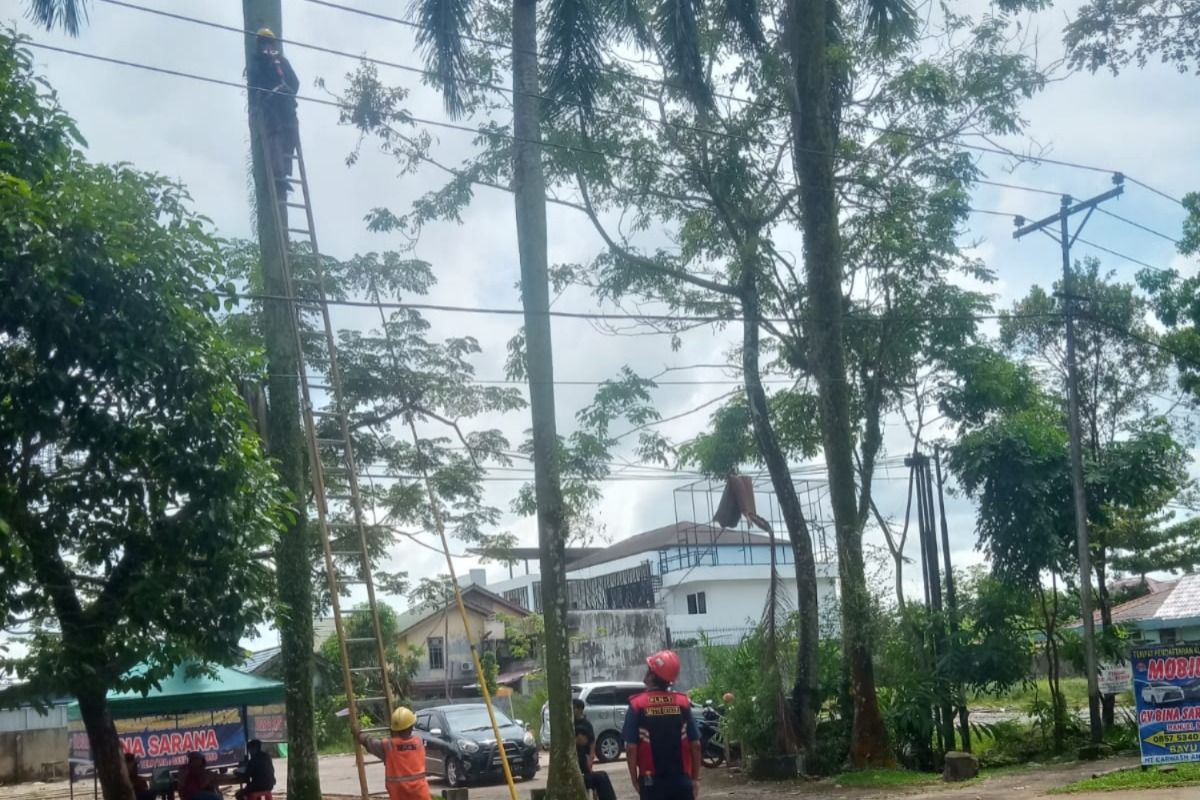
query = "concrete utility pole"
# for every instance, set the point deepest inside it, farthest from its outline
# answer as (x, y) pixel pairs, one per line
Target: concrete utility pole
(1065, 239)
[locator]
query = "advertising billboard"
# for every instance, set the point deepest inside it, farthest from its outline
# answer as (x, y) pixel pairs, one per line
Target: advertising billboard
(165, 741)
(1166, 690)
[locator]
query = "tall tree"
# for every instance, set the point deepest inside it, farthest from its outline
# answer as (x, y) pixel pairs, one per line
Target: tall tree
(283, 434)
(1123, 372)
(285, 443)
(134, 495)
(444, 35)
(632, 142)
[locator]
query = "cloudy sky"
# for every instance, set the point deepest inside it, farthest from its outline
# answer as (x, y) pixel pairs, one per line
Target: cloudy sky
(1142, 123)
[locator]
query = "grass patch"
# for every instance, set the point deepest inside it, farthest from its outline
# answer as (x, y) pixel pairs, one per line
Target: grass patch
(868, 778)
(1021, 695)
(1183, 775)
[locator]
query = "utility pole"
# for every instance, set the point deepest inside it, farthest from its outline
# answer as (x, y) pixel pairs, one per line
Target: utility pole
(1065, 239)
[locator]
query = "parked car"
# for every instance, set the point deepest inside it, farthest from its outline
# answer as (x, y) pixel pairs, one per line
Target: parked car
(605, 706)
(1158, 693)
(460, 746)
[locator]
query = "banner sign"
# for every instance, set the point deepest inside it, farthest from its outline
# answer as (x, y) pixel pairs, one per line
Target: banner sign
(268, 723)
(165, 741)
(1115, 678)
(1166, 689)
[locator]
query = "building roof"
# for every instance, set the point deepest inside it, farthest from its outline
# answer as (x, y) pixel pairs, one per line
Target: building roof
(680, 534)
(259, 659)
(571, 554)
(1169, 602)
(474, 597)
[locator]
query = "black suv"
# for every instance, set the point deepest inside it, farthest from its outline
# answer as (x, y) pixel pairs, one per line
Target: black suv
(460, 746)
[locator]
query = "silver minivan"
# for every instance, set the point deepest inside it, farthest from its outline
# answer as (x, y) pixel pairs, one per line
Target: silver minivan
(605, 706)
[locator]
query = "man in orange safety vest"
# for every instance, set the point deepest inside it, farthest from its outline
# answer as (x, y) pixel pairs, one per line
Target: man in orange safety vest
(403, 758)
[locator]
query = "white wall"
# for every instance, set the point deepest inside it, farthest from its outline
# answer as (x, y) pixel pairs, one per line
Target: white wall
(735, 605)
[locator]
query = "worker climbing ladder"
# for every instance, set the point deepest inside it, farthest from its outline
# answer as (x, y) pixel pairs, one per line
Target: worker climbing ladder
(331, 440)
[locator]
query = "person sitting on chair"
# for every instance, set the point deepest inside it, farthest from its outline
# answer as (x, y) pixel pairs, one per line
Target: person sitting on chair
(141, 787)
(585, 747)
(196, 782)
(259, 772)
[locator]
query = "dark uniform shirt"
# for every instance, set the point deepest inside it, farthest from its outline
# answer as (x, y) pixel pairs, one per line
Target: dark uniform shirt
(584, 728)
(661, 724)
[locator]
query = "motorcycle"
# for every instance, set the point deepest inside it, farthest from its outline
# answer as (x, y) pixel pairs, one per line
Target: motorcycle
(712, 741)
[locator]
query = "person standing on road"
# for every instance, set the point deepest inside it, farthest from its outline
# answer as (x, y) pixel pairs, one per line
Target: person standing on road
(403, 758)
(662, 741)
(585, 746)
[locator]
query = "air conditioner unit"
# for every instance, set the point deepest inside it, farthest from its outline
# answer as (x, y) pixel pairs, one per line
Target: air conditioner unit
(467, 668)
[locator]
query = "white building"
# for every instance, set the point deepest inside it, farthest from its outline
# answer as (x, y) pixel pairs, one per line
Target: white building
(705, 579)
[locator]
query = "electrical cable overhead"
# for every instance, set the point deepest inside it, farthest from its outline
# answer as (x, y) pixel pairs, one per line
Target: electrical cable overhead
(1138, 225)
(596, 315)
(613, 112)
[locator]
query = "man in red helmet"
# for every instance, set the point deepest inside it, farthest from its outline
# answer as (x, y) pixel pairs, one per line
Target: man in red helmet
(661, 738)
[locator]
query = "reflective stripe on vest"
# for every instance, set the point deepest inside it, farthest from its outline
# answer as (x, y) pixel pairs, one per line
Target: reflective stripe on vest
(404, 759)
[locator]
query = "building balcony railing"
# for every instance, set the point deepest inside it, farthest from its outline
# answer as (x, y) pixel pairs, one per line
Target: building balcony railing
(693, 556)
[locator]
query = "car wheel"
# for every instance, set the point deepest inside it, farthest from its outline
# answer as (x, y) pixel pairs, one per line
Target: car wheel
(456, 776)
(529, 771)
(608, 747)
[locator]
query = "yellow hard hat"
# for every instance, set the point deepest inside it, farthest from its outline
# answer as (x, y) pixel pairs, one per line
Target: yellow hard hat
(403, 719)
(266, 33)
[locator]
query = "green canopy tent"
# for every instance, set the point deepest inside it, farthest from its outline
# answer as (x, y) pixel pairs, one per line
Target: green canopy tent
(191, 689)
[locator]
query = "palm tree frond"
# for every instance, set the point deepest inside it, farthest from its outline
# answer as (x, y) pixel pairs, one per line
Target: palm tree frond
(626, 19)
(66, 14)
(679, 37)
(889, 22)
(574, 31)
(445, 26)
(745, 17)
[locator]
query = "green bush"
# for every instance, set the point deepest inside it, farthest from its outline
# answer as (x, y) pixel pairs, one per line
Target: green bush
(528, 708)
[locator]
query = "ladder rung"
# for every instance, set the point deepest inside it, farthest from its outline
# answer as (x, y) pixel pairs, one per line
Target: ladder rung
(290, 204)
(365, 669)
(360, 640)
(376, 729)
(353, 525)
(331, 442)
(369, 699)
(346, 554)
(304, 231)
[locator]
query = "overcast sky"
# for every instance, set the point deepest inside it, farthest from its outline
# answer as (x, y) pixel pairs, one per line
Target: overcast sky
(1142, 123)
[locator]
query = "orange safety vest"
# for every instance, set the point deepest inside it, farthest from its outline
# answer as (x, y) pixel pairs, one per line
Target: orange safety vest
(404, 764)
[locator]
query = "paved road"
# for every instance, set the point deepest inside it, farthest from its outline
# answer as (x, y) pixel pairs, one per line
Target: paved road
(339, 776)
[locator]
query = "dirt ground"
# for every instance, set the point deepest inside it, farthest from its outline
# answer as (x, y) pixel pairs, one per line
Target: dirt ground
(339, 779)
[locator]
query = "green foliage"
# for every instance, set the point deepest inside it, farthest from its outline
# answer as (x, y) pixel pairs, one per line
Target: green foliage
(134, 495)
(402, 663)
(523, 635)
(491, 670)
(392, 375)
(1134, 779)
(881, 778)
(1112, 34)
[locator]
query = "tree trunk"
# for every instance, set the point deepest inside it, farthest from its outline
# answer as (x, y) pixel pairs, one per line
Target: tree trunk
(814, 139)
(1104, 603)
(107, 755)
(564, 781)
(294, 552)
(806, 690)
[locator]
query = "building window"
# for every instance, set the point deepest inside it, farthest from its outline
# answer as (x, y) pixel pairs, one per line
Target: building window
(1167, 636)
(697, 604)
(436, 646)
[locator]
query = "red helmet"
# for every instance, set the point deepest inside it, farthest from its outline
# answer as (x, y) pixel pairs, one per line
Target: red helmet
(664, 664)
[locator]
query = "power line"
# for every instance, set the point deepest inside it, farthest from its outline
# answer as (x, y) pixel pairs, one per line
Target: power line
(1138, 225)
(1119, 254)
(434, 123)
(612, 112)
(595, 315)
(733, 98)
